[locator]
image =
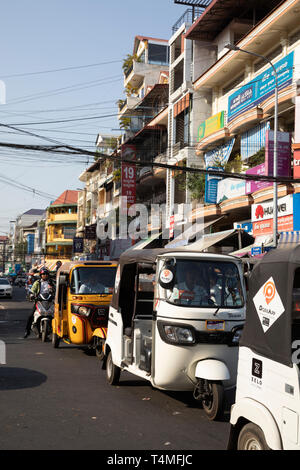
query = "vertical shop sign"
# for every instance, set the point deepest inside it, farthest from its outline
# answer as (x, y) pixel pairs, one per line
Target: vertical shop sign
(283, 153)
(128, 175)
(211, 186)
(78, 245)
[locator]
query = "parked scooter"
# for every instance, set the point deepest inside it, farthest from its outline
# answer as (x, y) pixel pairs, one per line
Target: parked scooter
(43, 315)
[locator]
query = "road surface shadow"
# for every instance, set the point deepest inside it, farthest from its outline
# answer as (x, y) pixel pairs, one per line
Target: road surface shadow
(14, 378)
(189, 401)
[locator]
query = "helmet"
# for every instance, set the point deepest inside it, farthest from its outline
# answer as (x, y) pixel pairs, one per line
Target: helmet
(44, 271)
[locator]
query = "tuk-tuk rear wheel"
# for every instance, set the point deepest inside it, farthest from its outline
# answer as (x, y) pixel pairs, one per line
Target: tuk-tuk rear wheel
(213, 402)
(112, 371)
(55, 340)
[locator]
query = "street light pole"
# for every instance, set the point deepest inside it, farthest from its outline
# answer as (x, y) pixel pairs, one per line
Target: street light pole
(275, 163)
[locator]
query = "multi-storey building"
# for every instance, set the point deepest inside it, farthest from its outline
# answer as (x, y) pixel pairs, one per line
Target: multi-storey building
(99, 195)
(186, 107)
(143, 116)
(23, 234)
(4, 253)
(235, 129)
(61, 225)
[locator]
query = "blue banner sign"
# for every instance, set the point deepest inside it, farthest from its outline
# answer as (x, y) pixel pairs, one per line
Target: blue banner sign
(211, 186)
(220, 155)
(263, 85)
(30, 243)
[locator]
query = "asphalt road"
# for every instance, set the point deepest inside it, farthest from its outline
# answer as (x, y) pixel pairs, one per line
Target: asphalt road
(55, 399)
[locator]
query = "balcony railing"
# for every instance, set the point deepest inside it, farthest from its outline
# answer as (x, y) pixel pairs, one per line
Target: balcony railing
(189, 16)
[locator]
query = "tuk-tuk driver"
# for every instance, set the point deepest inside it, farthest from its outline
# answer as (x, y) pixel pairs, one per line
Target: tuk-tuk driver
(190, 290)
(92, 286)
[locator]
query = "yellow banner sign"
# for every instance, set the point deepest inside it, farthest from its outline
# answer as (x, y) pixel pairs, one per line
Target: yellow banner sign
(211, 125)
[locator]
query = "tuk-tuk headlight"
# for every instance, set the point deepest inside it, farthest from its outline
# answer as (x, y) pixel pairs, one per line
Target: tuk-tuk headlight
(80, 310)
(174, 334)
(84, 311)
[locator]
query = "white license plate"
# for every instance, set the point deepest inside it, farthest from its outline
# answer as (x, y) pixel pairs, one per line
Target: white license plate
(213, 325)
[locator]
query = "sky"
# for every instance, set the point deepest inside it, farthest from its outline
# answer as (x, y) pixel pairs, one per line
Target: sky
(89, 39)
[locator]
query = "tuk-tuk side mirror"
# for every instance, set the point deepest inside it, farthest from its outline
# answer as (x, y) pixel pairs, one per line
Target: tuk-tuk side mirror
(166, 277)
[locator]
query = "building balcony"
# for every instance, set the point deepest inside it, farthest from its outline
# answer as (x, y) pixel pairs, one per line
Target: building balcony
(140, 70)
(129, 105)
(135, 74)
(62, 218)
(59, 241)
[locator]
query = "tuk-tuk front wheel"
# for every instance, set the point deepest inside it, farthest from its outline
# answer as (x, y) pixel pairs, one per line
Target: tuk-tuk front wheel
(211, 395)
(55, 340)
(112, 371)
(99, 348)
(252, 437)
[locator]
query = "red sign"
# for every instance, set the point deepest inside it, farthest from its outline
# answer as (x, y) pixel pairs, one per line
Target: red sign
(262, 216)
(296, 163)
(129, 182)
(264, 227)
(128, 174)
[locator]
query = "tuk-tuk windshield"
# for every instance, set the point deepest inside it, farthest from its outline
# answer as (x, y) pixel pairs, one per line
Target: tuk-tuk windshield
(206, 284)
(93, 280)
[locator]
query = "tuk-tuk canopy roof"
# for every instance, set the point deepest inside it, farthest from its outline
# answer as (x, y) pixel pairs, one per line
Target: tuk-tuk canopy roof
(267, 329)
(150, 255)
(68, 266)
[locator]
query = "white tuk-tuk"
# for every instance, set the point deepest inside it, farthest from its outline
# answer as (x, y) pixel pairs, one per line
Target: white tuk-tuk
(267, 405)
(175, 320)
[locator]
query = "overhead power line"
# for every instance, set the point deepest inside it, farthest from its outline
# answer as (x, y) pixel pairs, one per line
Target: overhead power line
(70, 150)
(76, 67)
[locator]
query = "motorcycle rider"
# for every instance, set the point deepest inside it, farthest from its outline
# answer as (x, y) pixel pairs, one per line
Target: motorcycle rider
(44, 285)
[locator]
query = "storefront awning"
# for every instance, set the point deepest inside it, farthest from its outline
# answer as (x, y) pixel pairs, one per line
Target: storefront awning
(154, 241)
(190, 234)
(235, 238)
(265, 240)
(286, 238)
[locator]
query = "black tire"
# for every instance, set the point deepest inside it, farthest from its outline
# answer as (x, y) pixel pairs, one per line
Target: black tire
(112, 371)
(99, 349)
(55, 340)
(213, 405)
(44, 331)
(251, 437)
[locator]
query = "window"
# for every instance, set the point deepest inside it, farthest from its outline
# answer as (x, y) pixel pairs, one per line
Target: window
(158, 54)
(206, 284)
(93, 280)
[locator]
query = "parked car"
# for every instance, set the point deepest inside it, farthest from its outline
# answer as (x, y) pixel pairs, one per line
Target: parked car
(6, 289)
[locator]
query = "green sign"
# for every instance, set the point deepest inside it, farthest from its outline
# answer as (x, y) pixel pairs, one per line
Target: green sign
(211, 125)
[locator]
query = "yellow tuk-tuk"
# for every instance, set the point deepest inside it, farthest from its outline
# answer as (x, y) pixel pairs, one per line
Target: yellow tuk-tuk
(83, 294)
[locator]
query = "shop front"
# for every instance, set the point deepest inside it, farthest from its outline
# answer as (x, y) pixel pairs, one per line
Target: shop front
(288, 212)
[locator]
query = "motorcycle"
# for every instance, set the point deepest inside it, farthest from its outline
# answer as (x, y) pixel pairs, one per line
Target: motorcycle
(43, 315)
